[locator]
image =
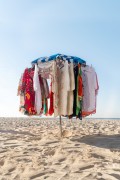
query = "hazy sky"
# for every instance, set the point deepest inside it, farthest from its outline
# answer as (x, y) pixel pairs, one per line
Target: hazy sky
(89, 29)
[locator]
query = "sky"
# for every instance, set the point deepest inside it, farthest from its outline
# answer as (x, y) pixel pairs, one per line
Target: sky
(89, 29)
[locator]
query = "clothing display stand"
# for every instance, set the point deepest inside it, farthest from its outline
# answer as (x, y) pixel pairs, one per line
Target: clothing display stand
(30, 89)
(60, 126)
(60, 59)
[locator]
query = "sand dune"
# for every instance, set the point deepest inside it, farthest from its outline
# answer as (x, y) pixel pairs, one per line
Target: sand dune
(33, 149)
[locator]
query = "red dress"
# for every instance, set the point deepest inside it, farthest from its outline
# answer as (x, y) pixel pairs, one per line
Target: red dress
(51, 108)
(27, 89)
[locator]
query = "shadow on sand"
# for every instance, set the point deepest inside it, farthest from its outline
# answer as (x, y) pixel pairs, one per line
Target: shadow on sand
(102, 141)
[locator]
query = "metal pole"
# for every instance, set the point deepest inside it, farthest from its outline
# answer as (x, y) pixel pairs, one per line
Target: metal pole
(60, 127)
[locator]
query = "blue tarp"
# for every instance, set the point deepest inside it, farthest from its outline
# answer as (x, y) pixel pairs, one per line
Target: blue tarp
(60, 56)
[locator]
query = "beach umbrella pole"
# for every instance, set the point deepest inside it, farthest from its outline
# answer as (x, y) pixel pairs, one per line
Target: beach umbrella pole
(60, 126)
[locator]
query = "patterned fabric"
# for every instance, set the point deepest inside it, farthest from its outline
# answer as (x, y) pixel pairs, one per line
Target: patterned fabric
(68, 94)
(22, 102)
(77, 103)
(45, 107)
(21, 95)
(27, 90)
(51, 109)
(60, 56)
(79, 94)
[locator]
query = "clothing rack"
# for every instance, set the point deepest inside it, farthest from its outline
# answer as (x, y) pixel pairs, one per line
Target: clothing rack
(42, 66)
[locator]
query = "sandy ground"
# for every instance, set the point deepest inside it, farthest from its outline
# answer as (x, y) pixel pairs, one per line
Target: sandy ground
(32, 149)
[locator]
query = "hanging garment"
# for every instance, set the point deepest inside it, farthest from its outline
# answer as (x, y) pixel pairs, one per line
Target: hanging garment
(46, 88)
(77, 103)
(28, 91)
(19, 85)
(41, 86)
(79, 94)
(22, 103)
(45, 69)
(51, 109)
(90, 87)
(45, 106)
(96, 91)
(70, 97)
(75, 92)
(21, 95)
(45, 96)
(55, 88)
(37, 89)
(64, 87)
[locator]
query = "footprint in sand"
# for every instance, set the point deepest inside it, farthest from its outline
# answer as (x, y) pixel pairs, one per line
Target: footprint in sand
(2, 151)
(61, 160)
(11, 169)
(38, 175)
(49, 152)
(2, 162)
(98, 156)
(26, 160)
(86, 167)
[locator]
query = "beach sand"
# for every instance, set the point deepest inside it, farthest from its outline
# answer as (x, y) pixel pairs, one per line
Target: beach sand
(33, 149)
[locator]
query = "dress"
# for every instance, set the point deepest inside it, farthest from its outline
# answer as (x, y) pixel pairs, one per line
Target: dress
(75, 91)
(51, 108)
(37, 89)
(19, 85)
(28, 91)
(79, 93)
(64, 87)
(46, 88)
(19, 93)
(55, 88)
(90, 89)
(70, 97)
(77, 103)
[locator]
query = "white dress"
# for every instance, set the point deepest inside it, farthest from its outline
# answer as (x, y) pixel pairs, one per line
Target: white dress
(37, 89)
(90, 86)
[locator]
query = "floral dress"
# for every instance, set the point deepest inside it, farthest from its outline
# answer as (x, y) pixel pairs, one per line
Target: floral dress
(28, 91)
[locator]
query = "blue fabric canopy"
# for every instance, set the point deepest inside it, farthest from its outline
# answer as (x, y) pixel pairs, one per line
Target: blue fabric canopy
(60, 56)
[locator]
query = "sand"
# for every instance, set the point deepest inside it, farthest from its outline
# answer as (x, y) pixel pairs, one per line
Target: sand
(33, 149)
